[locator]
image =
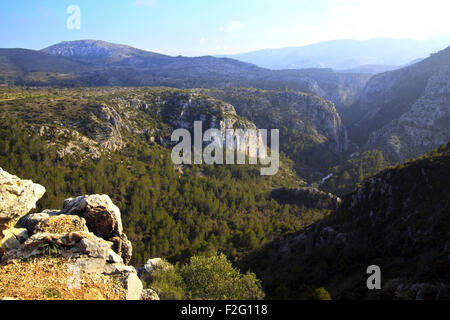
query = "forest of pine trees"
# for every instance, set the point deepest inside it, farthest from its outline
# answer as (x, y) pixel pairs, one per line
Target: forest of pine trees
(165, 213)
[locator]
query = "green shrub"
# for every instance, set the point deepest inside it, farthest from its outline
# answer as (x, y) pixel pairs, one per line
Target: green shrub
(215, 278)
(321, 294)
(51, 293)
(205, 278)
(168, 283)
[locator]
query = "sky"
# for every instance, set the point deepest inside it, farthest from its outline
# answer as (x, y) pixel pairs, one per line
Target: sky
(213, 27)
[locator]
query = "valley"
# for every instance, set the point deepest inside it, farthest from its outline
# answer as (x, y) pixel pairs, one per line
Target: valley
(363, 175)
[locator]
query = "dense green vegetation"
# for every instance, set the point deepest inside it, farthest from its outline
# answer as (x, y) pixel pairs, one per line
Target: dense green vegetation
(205, 278)
(349, 174)
(398, 221)
(165, 213)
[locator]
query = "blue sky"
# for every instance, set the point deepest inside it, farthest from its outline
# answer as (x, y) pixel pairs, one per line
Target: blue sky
(197, 27)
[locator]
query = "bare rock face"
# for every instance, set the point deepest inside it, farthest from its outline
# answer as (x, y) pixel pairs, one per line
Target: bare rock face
(102, 216)
(134, 287)
(17, 198)
(423, 127)
(123, 247)
(12, 238)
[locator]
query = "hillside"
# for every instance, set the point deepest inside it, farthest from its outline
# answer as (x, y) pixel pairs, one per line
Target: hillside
(404, 112)
(397, 220)
(311, 131)
(28, 65)
(105, 53)
(115, 141)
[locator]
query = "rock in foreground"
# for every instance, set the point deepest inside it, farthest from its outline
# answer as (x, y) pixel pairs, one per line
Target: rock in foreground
(79, 252)
(17, 198)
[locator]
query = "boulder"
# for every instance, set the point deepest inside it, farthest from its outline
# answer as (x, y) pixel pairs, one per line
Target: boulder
(71, 245)
(102, 216)
(133, 286)
(61, 224)
(118, 269)
(149, 294)
(12, 238)
(17, 198)
(123, 247)
(114, 257)
(92, 246)
(88, 265)
(145, 272)
(31, 220)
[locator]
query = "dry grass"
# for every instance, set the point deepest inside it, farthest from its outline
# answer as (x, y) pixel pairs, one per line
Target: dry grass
(50, 279)
(61, 224)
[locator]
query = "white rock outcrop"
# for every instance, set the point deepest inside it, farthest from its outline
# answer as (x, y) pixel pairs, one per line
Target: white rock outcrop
(17, 198)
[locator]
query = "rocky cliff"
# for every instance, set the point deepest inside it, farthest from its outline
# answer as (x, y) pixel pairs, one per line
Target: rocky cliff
(90, 122)
(79, 252)
(424, 126)
(405, 112)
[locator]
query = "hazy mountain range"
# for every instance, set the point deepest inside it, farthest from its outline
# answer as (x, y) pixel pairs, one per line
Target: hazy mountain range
(346, 54)
(99, 63)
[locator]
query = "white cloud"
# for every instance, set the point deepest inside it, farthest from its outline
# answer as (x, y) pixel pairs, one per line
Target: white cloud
(235, 25)
(202, 40)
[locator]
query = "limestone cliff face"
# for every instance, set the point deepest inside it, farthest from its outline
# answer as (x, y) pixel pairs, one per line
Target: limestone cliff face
(299, 111)
(181, 110)
(405, 112)
(87, 123)
(176, 109)
(424, 127)
(342, 89)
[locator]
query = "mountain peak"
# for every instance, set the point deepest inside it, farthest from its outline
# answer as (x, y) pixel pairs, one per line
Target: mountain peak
(96, 50)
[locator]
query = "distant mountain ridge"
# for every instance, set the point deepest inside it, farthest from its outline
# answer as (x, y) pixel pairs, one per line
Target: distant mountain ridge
(101, 52)
(345, 54)
(99, 63)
